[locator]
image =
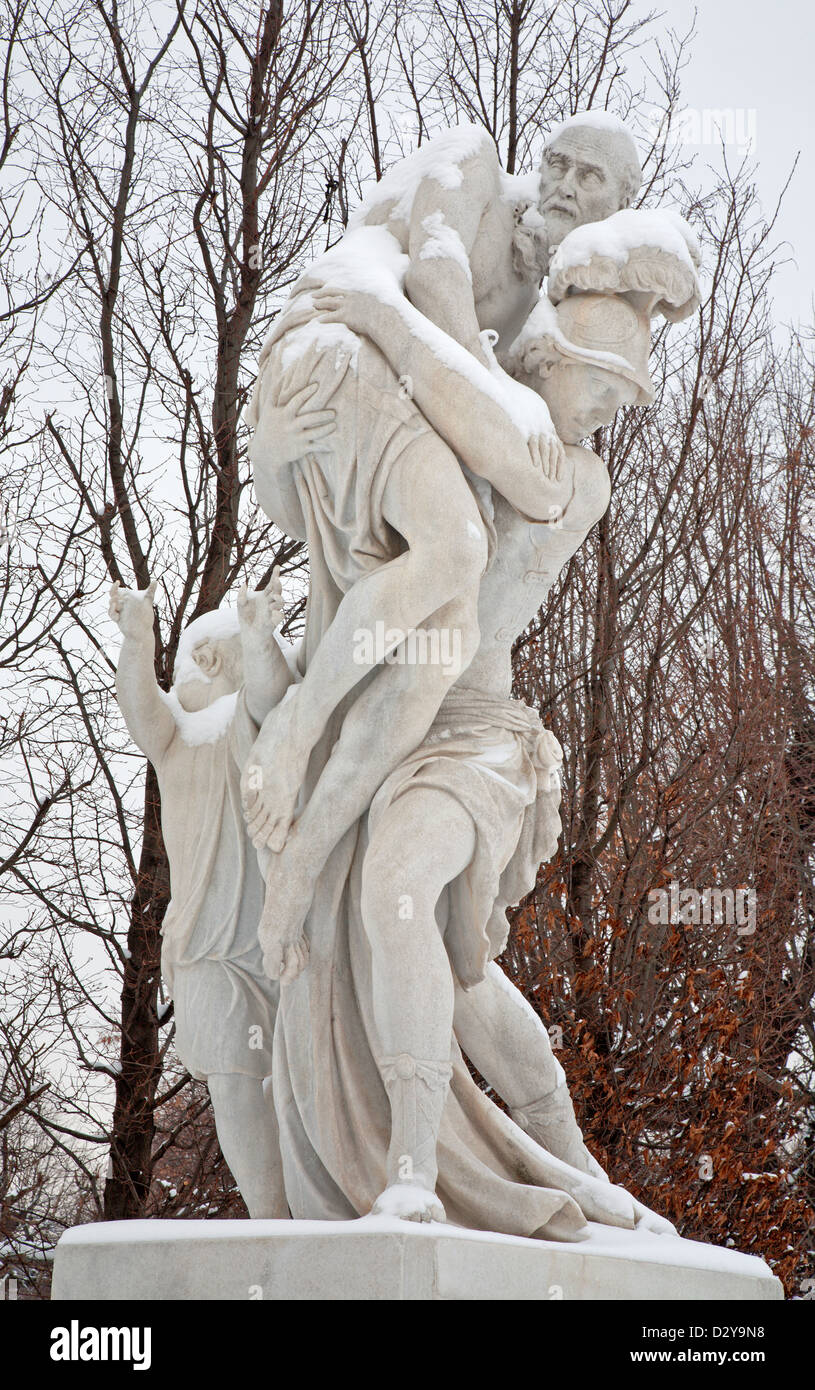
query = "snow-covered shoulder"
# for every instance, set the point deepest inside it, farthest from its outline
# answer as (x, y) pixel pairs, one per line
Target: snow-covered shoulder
(440, 159)
(368, 259)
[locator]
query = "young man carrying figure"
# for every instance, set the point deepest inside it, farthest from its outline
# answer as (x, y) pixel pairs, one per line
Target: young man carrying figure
(493, 1023)
(229, 671)
(484, 768)
(482, 785)
(370, 504)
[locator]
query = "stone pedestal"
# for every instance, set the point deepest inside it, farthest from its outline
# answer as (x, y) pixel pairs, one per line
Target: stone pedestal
(378, 1258)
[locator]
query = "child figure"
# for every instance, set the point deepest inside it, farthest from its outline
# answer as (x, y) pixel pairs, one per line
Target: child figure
(229, 671)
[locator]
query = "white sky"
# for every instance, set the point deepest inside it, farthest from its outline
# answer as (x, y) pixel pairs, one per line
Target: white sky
(759, 56)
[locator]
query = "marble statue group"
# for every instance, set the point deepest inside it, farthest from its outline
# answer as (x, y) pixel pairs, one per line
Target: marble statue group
(348, 819)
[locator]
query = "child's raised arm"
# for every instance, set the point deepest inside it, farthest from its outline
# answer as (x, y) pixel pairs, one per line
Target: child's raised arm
(266, 674)
(149, 721)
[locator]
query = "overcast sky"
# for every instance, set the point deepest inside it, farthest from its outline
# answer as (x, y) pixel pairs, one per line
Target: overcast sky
(758, 56)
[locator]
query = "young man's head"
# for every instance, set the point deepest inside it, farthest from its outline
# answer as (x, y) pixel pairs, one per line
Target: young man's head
(589, 169)
(587, 358)
(209, 660)
(581, 399)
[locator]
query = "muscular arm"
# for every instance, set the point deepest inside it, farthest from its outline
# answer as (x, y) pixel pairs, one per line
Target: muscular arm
(462, 400)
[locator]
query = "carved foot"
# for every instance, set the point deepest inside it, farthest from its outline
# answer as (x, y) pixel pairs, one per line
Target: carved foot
(409, 1202)
(417, 1090)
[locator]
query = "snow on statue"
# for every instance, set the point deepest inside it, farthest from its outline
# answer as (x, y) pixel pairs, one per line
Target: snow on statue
(469, 249)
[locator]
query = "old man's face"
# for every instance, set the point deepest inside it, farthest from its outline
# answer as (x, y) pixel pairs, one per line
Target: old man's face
(585, 176)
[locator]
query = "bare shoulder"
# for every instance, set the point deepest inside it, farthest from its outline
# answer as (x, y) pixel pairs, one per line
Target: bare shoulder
(465, 170)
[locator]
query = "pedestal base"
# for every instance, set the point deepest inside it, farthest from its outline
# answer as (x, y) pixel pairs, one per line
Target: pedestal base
(379, 1258)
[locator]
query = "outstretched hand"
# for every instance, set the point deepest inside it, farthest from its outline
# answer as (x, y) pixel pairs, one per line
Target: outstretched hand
(261, 610)
(132, 610)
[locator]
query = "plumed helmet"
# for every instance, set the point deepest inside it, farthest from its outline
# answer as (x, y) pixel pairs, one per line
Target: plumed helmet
(650, 256)
(592, 330)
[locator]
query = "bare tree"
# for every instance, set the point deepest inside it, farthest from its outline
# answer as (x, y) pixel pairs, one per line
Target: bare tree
(182, 177)
(162, 188)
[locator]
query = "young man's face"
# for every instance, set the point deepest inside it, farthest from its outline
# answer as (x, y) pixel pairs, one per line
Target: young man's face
(582, 399)
(582, 179)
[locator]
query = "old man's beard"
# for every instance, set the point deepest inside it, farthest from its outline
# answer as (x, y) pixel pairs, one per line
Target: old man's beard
(530, 244)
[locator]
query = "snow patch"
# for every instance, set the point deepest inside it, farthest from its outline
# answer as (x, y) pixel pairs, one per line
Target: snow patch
(321, 336)
(202, 726)
(440, 159)
(597, 120)
(520, 188)
(444, 243)
(617, 236)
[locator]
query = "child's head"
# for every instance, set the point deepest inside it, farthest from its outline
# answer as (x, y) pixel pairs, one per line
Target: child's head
(209, 660)
(587, 358)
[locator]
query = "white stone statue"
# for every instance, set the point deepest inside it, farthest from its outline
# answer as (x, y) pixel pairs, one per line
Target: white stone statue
(229, 671)
(458, 777)
(418, 419)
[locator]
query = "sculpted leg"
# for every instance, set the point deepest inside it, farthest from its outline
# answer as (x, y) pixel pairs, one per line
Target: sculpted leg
(406, 868)
(444, 560)
(246, 1124)
(504, 1038)
(386, 723)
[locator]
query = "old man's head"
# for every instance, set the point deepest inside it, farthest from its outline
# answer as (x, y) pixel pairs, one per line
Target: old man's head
(590, 168)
